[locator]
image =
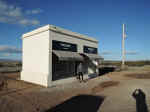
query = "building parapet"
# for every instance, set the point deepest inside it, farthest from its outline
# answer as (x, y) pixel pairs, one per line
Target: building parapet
(59, 30)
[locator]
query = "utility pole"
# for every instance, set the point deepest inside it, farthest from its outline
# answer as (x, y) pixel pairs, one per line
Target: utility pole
(123, 46)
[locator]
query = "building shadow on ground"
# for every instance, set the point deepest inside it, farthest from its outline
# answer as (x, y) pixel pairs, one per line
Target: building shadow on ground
(80, 103)
(105, 70)
(140, 98)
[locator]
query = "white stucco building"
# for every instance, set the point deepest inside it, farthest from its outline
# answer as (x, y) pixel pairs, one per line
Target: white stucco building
(51, 55)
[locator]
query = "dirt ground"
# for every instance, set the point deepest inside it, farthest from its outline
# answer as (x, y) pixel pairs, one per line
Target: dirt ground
(111, 92)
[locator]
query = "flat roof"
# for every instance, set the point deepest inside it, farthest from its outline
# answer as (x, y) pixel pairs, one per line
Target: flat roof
(59, 30)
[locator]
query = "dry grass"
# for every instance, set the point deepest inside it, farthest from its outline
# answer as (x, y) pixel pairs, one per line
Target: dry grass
(14, 85)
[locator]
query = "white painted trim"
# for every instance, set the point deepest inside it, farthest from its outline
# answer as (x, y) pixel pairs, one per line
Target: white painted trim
(58, 30)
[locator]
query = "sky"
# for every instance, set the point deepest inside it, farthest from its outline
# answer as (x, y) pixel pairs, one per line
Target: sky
(101, 19)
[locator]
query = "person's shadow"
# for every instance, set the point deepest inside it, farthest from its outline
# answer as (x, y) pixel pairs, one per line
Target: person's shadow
(140, 98)
(80, 103)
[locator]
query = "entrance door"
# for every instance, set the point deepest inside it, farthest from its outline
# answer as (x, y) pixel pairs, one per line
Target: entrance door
(63, 69)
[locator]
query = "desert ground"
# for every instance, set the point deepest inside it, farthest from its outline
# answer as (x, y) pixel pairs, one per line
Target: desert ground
(111, 92)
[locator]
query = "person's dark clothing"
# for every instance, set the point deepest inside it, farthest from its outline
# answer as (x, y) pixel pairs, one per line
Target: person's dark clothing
(80, 76)
(139, 96)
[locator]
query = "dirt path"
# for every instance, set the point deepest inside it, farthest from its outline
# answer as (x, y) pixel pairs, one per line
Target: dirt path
(109, 93)
(119, 98)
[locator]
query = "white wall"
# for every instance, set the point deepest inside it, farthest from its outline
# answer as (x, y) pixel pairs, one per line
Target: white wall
(36, 58)
(37, 55)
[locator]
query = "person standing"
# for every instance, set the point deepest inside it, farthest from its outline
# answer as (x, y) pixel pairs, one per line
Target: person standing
(140, 98)
(80, 71)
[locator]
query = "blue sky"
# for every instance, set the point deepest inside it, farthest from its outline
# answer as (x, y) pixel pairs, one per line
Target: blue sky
(101, 19)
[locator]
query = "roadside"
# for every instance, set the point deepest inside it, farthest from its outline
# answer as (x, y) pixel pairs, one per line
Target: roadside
(114, 89)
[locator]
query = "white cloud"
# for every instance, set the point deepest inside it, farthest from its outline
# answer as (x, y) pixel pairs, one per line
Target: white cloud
(9, 49)
(29, 22)
(6, 54)
(15, 15)
(132, 52)
(15, 12)
(127, 53)
(106, 53)
(9, 10)
(34, 11)
(35, 22)
(24, 21)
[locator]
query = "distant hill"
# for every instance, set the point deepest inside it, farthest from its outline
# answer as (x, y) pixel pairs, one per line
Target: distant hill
(9, 60)
(129, 63)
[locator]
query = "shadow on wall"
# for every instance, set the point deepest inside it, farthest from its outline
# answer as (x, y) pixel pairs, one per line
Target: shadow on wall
(80, 103)
(140, 98)
(105, 70)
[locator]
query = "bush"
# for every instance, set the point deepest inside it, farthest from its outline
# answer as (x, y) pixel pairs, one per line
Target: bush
(128, 63)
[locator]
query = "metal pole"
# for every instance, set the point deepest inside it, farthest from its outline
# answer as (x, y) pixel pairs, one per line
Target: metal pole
(123, 48)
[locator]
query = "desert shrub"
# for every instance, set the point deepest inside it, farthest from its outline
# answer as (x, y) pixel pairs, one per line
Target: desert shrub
(128, 63)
